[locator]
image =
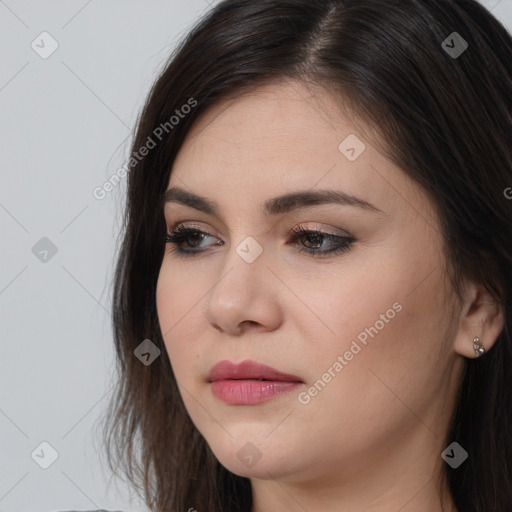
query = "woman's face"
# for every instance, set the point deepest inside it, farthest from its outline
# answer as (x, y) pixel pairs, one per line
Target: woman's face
(367, 331)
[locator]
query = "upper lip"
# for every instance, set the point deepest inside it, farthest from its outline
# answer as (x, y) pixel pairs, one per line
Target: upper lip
(224, 370)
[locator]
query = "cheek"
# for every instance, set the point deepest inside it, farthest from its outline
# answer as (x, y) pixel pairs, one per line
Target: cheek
(177, 303)
(337, 307)
(387, 321)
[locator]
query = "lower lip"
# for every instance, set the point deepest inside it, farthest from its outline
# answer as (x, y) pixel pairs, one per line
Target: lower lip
(248, 392)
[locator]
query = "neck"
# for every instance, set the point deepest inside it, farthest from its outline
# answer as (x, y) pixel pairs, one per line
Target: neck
(389, 482)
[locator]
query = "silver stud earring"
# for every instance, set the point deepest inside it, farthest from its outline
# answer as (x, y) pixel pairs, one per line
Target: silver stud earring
(478, 347)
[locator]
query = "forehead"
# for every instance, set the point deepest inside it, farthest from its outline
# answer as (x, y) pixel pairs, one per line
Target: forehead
(282, 115)
(279, 138)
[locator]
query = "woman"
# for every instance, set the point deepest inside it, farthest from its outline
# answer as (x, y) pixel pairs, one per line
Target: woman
(319, 196)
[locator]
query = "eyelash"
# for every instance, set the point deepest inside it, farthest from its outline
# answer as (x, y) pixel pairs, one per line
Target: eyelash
(180, 234)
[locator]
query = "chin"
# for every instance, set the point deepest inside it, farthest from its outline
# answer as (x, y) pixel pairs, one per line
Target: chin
(248, 458)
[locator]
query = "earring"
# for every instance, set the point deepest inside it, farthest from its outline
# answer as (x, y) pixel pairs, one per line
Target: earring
(478, 347)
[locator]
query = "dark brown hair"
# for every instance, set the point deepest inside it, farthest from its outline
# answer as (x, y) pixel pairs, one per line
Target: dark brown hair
(445, 120)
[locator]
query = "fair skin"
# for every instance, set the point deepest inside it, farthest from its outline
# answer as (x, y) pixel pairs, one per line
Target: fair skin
(371, 439)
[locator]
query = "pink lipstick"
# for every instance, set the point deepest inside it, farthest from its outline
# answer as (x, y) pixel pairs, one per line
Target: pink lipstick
(249, 383)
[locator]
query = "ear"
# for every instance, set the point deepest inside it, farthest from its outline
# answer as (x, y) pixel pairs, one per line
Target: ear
(481, 316)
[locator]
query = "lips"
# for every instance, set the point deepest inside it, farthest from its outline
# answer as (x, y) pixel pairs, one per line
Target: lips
(248, 370)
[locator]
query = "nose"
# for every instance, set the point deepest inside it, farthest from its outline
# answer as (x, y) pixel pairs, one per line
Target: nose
(245, 297)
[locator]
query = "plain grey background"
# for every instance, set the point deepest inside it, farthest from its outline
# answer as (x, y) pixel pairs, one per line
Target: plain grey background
(66, 122)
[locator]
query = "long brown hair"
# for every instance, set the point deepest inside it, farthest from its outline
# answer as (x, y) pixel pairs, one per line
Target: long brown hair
(446, 121)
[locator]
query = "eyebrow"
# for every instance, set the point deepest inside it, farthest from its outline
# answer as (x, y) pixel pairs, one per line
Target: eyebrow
(278, 205)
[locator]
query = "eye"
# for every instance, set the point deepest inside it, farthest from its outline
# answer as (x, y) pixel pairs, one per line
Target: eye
(187, 241)
(181, 235)
(339, 243)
